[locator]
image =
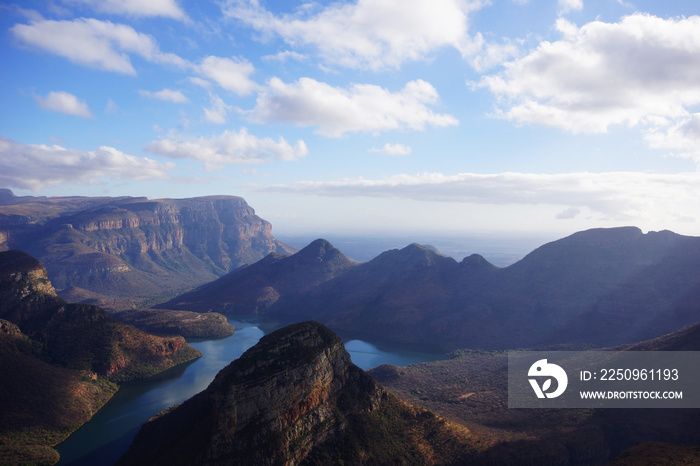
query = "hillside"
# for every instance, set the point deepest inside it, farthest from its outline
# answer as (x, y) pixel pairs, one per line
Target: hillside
(255, 288)
(126, 251)
(59, 361)
(471, 389)
(598, 287)
(184, 323)
(295, 398)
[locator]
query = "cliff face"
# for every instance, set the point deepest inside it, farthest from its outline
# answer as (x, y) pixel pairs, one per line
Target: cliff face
(295, 398)
(80, 336)
(271, 406)
(58, 361)
(136, 247)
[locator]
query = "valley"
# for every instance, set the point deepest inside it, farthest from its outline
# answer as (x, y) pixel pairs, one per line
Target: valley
(432, 333)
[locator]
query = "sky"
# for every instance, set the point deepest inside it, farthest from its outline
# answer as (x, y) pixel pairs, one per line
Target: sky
(444, 117)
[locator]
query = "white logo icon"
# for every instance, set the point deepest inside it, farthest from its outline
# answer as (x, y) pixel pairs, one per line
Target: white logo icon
(543, 369)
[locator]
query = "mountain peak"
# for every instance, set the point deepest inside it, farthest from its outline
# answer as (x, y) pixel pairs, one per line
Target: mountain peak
(477, 261)
(321, 250)
(289, 393)
(416, 255)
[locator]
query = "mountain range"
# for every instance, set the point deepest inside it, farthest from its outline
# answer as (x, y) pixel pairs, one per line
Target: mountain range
(596, 287)
(119, 252)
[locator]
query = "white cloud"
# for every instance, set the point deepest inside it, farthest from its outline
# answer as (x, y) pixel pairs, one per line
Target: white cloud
(166, 8)
(489, 55)
(229, 147)
(641, 70)
(566, 6)
(284, 56)
(203, 83)
(93, 43)
(367, 33)
(36, 166)
(111, 108)
(682, 138)
(335, 111)
(231, 74)
(218, 111)
(392, 149)
(168, 95)
(64, 102)
(567, 214)
(615, 195)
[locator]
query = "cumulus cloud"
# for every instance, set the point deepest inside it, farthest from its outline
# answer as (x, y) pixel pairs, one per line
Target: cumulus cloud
(218, 111)
(566, 6)
(169, 95)
(641, 70)
(64, 102)
(229, 147)
(232, 74)
(681, 138)
(165, 8)
(617, 195)
(361, 108)
(36, 166)
(97, 44)
(392, 149)
(366, 33)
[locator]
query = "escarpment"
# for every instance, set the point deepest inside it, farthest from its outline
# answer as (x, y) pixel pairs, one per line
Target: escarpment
(134, 247)
(80, 336)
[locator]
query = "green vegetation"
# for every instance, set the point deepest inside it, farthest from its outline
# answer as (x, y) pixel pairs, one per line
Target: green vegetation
(41, 404)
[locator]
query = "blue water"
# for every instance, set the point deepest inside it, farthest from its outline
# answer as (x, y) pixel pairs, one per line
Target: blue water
(107, 436)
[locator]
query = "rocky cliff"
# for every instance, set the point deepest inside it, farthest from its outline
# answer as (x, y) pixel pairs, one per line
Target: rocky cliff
(135, 247)
(80, 336)
(59, 361)
(295, 397)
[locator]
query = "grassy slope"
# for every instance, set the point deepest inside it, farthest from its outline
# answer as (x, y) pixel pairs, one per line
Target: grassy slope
(41, 404)
(184, 323)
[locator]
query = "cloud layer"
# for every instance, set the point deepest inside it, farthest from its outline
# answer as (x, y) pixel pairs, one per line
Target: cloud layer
(166, 8)
(93, 43)
(641, 70)
(361, 108)
(229, 147)
(365, 33)
(617, 195)
(37, 166)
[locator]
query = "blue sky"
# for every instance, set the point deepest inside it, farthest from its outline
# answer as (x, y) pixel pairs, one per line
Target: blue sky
(366, 116)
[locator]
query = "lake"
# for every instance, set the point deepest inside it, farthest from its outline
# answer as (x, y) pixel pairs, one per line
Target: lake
(107, 436)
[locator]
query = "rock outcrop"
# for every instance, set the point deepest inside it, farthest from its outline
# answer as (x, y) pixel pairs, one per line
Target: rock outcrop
(80, 336)
(271, 406)
(135, 247)
(293, 398)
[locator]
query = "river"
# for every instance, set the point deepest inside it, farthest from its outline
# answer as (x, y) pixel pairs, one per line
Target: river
(107, 436)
